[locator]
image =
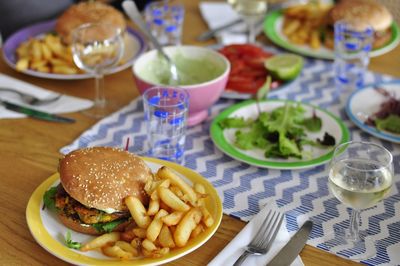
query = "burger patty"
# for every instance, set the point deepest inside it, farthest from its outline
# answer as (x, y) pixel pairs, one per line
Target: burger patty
(76, 210)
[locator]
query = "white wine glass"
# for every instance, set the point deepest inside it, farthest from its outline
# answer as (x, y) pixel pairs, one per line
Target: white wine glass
(96, 48)
(252, 11)
(360, 175)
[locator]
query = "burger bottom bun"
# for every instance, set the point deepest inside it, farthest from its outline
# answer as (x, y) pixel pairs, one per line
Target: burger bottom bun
(382, 39)
(89, 230)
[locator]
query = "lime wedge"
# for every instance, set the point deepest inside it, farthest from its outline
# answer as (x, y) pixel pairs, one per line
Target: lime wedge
(284, 66)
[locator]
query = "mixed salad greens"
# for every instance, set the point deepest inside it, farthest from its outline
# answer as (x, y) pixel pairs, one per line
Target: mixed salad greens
(388, 116)
(281, 133)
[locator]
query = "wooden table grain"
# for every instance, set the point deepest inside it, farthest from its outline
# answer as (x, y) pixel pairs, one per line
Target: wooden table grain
(29, 154)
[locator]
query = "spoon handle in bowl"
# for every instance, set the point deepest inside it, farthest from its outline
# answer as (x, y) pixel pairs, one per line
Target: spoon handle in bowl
(132, 11)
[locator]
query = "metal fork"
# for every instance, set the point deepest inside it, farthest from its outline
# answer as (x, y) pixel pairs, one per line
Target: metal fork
(264, 237)
(30, 99)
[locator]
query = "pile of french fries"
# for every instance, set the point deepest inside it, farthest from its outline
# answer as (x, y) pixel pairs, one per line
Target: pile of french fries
(47, 54)
(176, 213)
(303, 24)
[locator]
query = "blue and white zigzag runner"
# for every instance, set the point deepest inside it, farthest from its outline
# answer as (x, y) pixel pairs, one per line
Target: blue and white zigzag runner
(302, 194)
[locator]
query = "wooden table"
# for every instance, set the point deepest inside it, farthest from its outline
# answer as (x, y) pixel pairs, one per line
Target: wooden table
(29, 152)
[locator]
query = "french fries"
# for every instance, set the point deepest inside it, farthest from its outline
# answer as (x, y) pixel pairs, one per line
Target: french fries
(177, 213)
(172, 200)
(116, 252)
(101, 241)
(166, 173)
(186, 226)
(303, 24)
(47, 54)
(138, 211)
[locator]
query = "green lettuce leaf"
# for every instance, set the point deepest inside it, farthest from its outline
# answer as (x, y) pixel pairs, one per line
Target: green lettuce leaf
(108, 227)
(252, 138)
(49, 199)
(71, 244)
(234, 122)
(313, 124)
(390, 123)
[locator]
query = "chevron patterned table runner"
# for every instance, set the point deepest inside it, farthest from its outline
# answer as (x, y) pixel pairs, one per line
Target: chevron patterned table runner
(244, 189)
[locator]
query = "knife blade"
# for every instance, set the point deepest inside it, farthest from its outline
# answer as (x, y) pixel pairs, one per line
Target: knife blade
(209, 34)
(292, 249)
(35, 113)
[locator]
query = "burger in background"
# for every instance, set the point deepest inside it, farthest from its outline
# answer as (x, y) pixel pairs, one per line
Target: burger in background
(87, 12)
(363, 13)
(93, 185)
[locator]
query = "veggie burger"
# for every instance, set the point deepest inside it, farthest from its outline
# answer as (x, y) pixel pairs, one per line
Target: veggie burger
(93, 185)
(364, 13)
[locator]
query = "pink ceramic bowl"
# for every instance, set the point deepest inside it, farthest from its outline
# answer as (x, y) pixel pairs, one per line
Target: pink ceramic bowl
(203, 71)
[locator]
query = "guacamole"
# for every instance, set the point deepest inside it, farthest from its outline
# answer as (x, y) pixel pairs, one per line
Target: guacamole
(191, 71)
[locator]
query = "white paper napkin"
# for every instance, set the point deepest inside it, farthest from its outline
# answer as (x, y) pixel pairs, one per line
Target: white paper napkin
(217, 14)
(65, 104)
(235, 248)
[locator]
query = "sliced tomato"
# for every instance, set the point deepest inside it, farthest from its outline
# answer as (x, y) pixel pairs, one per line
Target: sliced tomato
(242, 84)
(237, 66)
(248, 72)
(255, 73)
(254, 62)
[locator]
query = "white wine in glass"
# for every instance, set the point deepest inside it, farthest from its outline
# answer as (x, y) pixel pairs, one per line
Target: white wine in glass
(360, 176)
(252, 11)
(96, 48)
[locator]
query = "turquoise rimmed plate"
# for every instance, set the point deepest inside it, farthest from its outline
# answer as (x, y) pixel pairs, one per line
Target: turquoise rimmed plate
(367, 101)
(224, 139)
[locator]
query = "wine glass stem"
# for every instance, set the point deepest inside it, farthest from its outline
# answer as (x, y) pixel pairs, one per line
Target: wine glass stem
(99, 97)
(354, 224)
(251, 37)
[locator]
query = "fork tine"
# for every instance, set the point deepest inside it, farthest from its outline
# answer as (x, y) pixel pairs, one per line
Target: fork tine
(260, 233)
(264, 236)
(273, 233)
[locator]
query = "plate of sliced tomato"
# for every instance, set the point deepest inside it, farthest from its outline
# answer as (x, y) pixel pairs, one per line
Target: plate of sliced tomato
(248, 72)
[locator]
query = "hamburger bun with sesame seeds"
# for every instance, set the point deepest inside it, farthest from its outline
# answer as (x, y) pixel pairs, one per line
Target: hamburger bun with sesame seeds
(94, 183)
(364, 13)
(87, 12)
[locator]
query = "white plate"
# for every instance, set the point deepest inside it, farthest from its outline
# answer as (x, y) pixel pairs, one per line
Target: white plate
(134, 46)
(365, 102)
(49, 232)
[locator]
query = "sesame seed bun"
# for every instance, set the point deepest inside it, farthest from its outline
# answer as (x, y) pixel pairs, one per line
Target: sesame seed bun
(363, 13)
(101, 177)
(86, 12)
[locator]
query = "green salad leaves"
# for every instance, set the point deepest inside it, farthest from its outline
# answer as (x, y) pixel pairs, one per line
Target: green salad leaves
(281, 133)
(391, 123)
(108, 226)
(70, 243)
(49, 199)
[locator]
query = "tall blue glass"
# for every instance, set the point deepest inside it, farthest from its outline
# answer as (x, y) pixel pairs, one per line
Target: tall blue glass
(166, 113)
(353, 42)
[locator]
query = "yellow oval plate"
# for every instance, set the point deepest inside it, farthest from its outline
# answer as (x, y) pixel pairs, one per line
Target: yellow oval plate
(49, 232)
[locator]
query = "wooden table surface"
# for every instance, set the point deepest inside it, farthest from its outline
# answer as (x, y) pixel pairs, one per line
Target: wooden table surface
(29, 152)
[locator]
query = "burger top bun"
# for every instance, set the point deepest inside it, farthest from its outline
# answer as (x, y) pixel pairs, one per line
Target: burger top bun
(86, 12)
(101, 177)
(363, 13)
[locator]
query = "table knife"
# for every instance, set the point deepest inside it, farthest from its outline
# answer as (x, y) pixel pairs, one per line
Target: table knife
(35, 113)
(209, 34)
(292, 249)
